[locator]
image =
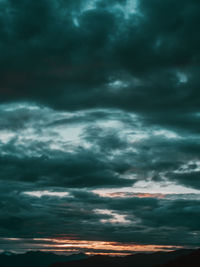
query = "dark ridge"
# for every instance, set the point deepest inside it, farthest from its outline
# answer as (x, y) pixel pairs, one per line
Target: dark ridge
(190, 260)
(35, 259)
(135, 260)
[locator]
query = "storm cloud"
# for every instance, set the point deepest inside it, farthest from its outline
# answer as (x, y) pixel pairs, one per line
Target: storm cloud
(99, 121)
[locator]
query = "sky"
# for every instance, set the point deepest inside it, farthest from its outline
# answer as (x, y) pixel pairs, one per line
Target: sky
(99, 125)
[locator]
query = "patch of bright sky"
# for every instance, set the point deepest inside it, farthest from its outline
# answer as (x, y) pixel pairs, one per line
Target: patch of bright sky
(90, 5)
(117, 85)
(128, 8)
(150, 187)
(115, 217)
(52, 128)
(114, 124)
(18, 106)
(191, 166)
(6, 136)
(69, 133)
(166, 133)
(39, 194)
(37, 129)
(45, 130)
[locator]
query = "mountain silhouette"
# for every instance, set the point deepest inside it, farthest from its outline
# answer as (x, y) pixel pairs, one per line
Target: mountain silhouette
(35, 259)
(135, 260)
(178, 258)
(190, 260)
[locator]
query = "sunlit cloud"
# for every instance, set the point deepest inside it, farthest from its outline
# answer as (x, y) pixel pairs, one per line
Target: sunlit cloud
(46, 193)
(147, 189)
(127, 8)
(129, 195)
(115, 217)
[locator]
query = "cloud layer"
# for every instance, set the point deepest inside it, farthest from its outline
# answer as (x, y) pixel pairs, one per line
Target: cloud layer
(99, 121)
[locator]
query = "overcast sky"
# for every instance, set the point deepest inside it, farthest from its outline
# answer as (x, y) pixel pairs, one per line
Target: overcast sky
(99, 125)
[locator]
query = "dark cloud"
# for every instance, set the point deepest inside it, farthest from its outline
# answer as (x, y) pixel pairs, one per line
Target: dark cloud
(82, 169)
(99, 95)
(53, 61)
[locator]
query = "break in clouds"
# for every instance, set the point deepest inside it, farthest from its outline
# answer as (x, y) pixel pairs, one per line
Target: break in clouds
(99, 121)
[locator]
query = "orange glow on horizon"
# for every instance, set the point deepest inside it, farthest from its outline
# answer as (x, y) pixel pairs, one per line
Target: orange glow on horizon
(61, 244)
(129, 195)
(147, 195)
